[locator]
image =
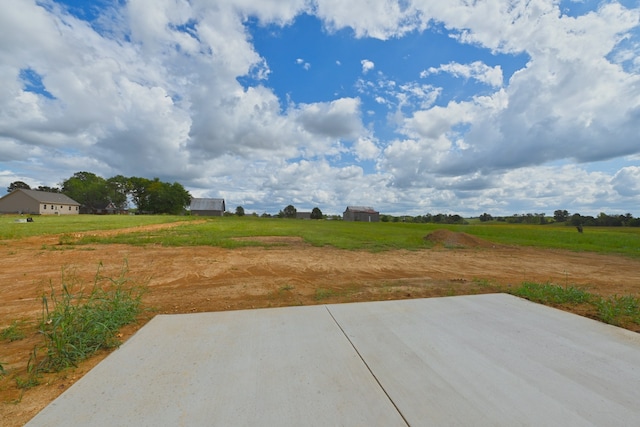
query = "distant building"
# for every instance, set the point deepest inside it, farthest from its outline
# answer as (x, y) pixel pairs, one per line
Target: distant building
(207, 207)
(361, 213)
(106, 208)
(303, 215)
(34, 202)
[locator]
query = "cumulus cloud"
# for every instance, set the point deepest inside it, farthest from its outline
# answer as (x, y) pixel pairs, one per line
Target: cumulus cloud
(159, 88)
(477, 70)
(367, 66)
(627, 181)
(335, 119)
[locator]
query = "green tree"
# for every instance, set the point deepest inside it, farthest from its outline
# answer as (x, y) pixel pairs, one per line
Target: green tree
(86, 188)
(316, 213)
(165, 198)
(48, 189)
(289, 212)
(240, 211)
(118, 188)
(139, 194)
(560, 215)
(16, 185)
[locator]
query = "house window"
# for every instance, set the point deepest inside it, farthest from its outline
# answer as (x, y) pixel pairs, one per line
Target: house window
(45, 206)
(69, 207)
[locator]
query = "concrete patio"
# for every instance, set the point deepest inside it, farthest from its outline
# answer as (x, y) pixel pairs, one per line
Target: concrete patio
(483, 360)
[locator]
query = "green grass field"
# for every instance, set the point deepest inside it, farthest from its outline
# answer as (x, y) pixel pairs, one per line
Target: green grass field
(52, 224)
(345, 235)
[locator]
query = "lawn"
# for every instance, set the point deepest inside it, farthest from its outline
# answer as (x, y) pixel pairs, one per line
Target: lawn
(381, 236)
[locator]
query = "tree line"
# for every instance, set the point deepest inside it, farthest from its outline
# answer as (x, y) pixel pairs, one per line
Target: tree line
(559, 216)
(94, 193)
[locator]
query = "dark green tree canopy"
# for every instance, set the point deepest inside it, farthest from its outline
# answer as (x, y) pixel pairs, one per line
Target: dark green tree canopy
(88, 189)
(240, 211)
(149, 196)
(16, 185)
(316, 213)
(155, 196)
(560, 215)
(289, 212)
(48, 189)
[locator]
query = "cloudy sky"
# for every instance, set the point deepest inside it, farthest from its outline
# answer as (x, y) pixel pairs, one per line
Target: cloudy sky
(409, 106)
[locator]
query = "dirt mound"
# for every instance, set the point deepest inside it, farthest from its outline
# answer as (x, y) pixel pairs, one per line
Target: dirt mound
(454, 239)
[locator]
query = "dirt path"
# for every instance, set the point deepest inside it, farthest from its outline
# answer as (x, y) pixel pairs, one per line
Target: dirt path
(192, 279)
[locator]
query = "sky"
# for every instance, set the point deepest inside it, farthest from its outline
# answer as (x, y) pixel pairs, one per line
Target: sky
(410, 107)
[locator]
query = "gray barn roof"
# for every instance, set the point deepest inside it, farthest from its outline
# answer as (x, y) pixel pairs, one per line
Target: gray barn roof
(47, 197)
(361, 209)
(207, 205)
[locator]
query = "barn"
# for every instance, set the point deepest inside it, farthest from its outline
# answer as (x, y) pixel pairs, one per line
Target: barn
(34, 202)
(361, 213)
(207, 207)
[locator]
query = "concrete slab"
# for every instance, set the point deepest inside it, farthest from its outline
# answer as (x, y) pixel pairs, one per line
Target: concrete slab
(496, 360)
(475, 360)
(272, 367)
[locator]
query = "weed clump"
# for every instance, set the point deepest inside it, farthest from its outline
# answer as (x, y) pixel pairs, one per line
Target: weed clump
(615, 310)
(548, 293)
(76, 324)
(619, 310)
(13, 332)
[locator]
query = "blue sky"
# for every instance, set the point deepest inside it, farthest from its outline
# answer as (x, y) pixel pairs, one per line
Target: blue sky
(410, 107)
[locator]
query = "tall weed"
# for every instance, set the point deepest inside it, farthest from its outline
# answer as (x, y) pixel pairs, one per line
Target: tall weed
(75, 324)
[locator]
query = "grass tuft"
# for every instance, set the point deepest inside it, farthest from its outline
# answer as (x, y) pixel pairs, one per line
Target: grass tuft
(615, 310)
(322, 294)
(619, 310)
(13, 332)
(548, 293)
(75, 325)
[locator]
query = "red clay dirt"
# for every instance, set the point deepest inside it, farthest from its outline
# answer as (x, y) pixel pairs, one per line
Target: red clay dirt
(286, 271)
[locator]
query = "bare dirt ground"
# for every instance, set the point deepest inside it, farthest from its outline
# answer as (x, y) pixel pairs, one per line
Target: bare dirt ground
(284, 272)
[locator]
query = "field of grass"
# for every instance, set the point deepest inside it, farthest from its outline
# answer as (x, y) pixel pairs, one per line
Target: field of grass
(381, 236)
(620, 240)
(52, 224)
(345, 235)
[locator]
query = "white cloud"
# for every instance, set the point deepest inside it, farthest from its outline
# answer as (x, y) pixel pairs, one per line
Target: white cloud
(335, 119)
(153, 89)
(367, 66)
(627, 181)
(366, 149)
(477, 70)
(378, 19)
(304, 64)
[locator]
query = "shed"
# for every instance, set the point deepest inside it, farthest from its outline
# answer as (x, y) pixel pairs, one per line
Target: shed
(34, 202)
(361, 213)
(207, 207)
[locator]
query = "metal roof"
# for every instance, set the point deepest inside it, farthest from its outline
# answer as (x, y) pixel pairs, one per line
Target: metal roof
(205, 204)
(361, 209)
